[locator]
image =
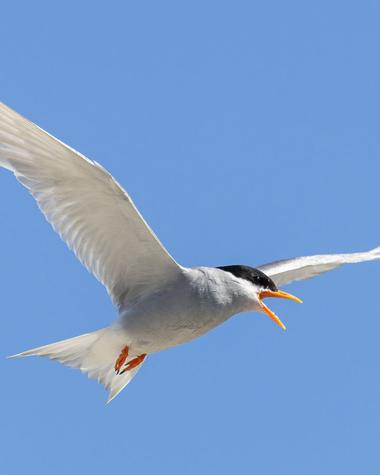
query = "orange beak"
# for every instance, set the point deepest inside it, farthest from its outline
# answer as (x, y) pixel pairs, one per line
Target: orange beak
(279, 294)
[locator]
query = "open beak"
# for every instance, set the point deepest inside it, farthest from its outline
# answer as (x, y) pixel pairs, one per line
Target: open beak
(279, 294)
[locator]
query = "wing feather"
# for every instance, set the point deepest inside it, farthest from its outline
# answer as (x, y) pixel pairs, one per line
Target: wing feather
(87, 207)
(299, 268)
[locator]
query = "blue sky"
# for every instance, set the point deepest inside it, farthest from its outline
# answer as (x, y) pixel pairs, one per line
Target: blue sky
(245, 132)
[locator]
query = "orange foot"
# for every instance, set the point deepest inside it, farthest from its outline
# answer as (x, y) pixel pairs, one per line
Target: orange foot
(121, 359)
(133, 363)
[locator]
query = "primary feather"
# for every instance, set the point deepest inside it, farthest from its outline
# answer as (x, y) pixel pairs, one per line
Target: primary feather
(300, 268)
(87, 208)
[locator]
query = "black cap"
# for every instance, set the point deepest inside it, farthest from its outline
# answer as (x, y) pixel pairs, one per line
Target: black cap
(251, 274)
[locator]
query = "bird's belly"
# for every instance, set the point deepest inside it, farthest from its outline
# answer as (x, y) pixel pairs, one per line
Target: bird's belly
(151, 329)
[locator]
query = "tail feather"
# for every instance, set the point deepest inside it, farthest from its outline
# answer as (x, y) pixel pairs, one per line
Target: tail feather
(93, 353)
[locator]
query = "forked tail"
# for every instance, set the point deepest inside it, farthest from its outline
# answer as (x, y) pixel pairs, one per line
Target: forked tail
(93, 353)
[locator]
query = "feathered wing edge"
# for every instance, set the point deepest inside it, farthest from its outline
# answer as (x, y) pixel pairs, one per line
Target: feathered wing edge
(300, 268)
(92, 353)
(87, 207)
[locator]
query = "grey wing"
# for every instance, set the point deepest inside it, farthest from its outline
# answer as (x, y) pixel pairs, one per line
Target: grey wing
(299, 268)
(87, 208)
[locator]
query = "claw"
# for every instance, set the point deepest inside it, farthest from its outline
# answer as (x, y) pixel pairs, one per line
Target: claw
(121, 359)
(133, 363)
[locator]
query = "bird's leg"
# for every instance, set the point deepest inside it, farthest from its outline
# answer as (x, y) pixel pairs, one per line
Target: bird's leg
(121, 359)
(133, 363)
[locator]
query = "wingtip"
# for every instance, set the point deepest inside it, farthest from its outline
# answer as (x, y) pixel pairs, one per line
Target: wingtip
(23, 354)
(11, 357)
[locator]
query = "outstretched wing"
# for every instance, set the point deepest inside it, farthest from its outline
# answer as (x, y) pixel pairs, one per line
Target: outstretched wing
(87, 208)
(299, 268)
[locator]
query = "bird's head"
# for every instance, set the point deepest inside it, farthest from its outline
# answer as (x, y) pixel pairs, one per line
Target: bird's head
(259, 286)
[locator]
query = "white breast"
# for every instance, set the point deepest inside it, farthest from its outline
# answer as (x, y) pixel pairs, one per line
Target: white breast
(197, 301)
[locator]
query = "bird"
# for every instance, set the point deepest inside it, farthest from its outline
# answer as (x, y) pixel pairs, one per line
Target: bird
(159, 303)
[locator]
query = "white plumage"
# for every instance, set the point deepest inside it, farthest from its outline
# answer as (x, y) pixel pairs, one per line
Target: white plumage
(300, 268)
(86, 207)
(160, 303)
